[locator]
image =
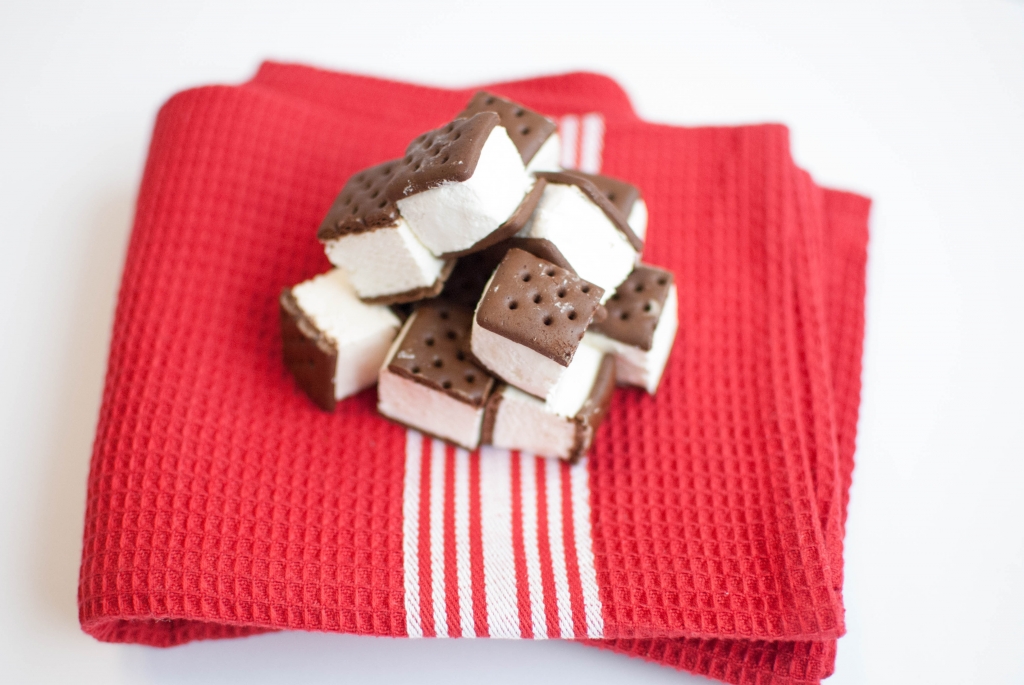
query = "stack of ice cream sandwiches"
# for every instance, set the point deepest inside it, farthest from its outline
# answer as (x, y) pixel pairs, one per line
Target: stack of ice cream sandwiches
(494, 298)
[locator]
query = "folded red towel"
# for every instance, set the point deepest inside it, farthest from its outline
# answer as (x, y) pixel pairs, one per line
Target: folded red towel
(704, 531)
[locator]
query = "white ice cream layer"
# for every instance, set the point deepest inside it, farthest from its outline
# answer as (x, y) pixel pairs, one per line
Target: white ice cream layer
(361, 332)
(547, 428)
(634, 366)
(584, 235)
(573, 388)
(638, 218)
(522, 423)
(455, 216)
(385, 261)
(515, 363)
(549, 155)
(429, 410)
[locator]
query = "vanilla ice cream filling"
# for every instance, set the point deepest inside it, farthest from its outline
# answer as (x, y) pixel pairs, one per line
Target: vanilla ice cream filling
(638, 218)
(515, 363)
(360, 332)
(641, 368)
(547, 428)
(549, 155)
(585, 236)
(385, 261)
(429, 410)
(573, 388)
(522, 423)
(456, 215)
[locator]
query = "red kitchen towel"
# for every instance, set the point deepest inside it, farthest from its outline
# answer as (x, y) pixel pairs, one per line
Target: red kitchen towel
(845, 226)
(739, 661)
(704, 531)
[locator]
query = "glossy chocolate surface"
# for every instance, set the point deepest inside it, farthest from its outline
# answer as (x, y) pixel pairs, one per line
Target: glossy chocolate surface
(434, 351)
(527, 129)
(310, 356)
(538, 304)
(634, 310)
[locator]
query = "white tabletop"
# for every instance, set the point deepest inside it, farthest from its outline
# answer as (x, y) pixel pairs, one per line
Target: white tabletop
(918, 104)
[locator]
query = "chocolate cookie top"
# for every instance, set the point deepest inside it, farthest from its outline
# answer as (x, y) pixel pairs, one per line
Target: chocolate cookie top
(363, 204)
(634, 310)
(446, 154)
(538, 304)
(599, 198)
(527, 129)
(434, 350)
(466, 284)
(620, 193)
(309, 354)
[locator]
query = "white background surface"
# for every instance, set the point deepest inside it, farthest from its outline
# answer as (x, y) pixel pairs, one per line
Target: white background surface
(918, 104)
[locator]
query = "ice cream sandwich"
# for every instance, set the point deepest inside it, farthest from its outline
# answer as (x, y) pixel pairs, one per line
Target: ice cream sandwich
(640, 327)
(587, 228)
(429, 380)
(333, 342)
(365, 234)
(563, 425)
(530, 320)
(460, 183)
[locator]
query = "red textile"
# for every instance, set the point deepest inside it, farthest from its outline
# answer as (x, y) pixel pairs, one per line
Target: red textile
(222, 503)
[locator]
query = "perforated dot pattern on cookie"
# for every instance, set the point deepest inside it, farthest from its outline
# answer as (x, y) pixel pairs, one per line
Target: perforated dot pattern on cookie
(538, 304)
(634, 310)
(363, 203)
(434, 350)
(445, 155)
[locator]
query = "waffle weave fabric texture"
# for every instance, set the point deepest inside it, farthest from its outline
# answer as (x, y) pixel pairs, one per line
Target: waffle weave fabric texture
(223, 503)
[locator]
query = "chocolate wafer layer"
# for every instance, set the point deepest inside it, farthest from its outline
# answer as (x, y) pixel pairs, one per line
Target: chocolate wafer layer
(445, 155)
(466, 284)
(363, 204)
(434, 350)
(641, 326)
(527, 129)
(537, 304)
(308, 354)
(622, 194)
(635, 307)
